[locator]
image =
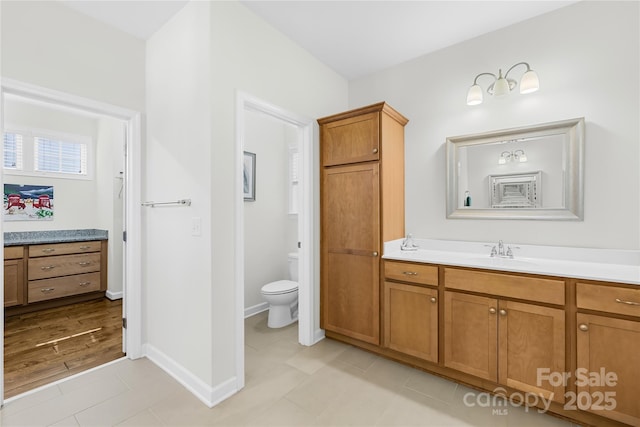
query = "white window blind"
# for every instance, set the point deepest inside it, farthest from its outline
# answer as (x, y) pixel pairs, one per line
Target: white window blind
(12, 150)
(53, 155)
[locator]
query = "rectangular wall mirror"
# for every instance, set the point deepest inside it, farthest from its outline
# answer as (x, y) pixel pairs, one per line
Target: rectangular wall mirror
(532, 172)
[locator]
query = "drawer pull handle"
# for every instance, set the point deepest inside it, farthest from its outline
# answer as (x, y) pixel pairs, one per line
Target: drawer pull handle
(48, 267)
(433, 300)
(409, 273)
(503, 312)
(84, 263)
(85, 247)
(48, 250)
(84, 284)
(583, 327)
(47, 290)
(492, 310)
(621, 301)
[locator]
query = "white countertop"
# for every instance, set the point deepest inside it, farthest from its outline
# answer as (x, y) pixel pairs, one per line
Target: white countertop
(611, 265)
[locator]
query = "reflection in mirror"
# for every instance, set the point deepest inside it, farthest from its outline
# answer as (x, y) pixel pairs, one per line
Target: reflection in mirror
(533, 172)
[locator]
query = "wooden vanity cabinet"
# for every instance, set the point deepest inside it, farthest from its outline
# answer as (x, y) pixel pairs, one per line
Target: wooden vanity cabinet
(362, 206)
(606, 341)
(410, 309)
(501, 340)
(13, 276)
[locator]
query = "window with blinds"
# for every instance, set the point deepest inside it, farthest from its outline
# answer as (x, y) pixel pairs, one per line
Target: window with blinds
(34, 152)
(12, 150)
(53, 155)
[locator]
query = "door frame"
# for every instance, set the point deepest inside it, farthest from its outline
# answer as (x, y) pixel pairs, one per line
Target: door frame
(308, 332)
(132, 286)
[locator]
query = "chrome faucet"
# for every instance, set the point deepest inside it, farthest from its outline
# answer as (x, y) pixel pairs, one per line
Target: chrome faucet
(501, 250)
(408, 244)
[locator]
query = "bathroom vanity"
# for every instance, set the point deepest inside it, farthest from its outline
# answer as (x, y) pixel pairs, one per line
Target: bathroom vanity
(52, 268)
(562, 324)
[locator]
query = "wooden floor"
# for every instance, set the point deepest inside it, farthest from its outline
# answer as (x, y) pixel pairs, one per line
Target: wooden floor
(48, 345)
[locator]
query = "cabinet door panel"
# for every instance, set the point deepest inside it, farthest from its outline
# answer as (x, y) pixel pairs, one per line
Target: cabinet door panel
(530, 337)
(350, 213)
(13, 283)
(351, 300)
(351, 140)
(612, 344)
(471, 334)
(411, 320)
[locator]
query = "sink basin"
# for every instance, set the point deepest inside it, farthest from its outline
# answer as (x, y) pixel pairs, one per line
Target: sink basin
(501, 262)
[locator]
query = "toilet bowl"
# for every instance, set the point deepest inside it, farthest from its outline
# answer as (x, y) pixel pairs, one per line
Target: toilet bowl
(282, 296)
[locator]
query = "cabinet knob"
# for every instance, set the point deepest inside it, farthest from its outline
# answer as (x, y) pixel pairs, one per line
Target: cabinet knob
(433, 300)
(492, 310)
(375, 150)
(503, 312)
(583, 327)
(375, 253)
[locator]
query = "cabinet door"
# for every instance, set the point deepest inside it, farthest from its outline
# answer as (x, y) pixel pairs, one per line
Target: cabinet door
(351, 140)
(612, 345)
(530, 337)
(350, 252)
(471, 334)
(411, 320)
(13, 282)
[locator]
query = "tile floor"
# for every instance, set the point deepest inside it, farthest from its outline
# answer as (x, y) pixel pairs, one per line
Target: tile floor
(328, 384)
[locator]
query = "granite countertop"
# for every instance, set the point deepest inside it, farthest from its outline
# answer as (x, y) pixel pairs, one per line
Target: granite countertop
(610, 265)
(17, 238)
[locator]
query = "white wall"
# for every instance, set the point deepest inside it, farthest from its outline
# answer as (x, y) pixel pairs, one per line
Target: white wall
(48, 44)
(587, 57)
(270, 232)
(249, 55)
(176, 264)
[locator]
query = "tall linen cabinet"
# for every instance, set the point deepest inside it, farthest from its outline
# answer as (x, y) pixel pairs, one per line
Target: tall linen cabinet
(362, 206)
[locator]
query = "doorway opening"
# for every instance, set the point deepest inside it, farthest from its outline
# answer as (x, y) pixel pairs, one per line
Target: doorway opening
(308, 294)
(110, 185)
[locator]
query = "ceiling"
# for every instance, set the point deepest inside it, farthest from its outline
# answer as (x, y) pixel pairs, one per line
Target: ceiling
(354, 38)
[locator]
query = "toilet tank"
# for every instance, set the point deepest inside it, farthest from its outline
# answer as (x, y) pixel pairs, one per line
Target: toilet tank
(293, 266)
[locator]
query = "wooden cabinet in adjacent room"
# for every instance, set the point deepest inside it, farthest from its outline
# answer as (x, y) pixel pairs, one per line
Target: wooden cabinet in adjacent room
(13, 276)
(362, 206)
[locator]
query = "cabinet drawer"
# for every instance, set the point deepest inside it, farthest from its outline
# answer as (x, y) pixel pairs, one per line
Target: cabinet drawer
(42, 290)
(65, 265)
(64, 248)
(608, 298)
(411, 272)
(506, 285)
(13, 252)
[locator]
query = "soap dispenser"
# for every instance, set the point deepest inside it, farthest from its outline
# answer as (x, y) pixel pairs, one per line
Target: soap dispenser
(467, 198)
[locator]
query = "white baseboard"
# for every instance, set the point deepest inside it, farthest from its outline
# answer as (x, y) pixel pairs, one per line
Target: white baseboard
(210, 396)
(258, 308)
(318, 336)
(114, 295)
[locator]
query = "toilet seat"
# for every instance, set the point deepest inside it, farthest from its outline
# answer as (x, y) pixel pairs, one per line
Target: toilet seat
(279, 287)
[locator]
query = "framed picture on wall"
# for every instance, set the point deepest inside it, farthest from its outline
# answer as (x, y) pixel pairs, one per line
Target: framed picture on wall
(249, 177)
(28, 202)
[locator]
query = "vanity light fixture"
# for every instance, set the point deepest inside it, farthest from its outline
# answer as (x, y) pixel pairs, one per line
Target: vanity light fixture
(512, 156)
(502, 85)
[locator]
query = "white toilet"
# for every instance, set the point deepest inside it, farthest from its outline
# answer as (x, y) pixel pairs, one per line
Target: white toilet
(282, 297)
